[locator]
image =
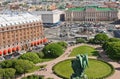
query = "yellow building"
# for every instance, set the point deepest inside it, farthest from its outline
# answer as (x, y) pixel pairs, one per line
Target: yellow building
(91, 13)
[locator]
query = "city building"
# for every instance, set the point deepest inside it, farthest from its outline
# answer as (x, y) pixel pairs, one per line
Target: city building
(50, 18)
(91, 13)
(20, 31)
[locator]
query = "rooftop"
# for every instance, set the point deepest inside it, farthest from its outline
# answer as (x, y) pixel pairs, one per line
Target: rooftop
(104, 9)
(47, 12)
(96, 7)
(8, 19)
(76, 9)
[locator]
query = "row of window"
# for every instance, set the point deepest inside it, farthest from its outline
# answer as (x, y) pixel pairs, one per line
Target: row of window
(21, 26)
(91, 14)
(20, 36)
(8, 41)
(17, 43)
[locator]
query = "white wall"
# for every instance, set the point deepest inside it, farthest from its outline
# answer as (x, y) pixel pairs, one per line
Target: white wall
(118, 14)
(50, 18)
(56, 18)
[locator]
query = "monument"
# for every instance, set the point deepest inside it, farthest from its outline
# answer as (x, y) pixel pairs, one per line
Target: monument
(78, 65)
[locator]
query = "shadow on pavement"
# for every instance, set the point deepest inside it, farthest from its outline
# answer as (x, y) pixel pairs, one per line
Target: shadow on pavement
(118, 68)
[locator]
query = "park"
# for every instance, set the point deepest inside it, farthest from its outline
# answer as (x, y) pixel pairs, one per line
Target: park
(54, 62)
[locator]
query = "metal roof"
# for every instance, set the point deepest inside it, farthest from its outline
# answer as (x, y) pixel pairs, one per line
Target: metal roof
(97, 8)
(15, 19)
(47, 12)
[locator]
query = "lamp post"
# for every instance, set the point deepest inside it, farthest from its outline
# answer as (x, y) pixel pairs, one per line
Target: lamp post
(49, 51)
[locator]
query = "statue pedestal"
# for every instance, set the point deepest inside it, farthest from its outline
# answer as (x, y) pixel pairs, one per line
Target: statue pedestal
(78, 77)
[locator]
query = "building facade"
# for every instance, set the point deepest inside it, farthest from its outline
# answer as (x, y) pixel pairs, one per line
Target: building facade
(91, 13)
(50, 18)
(20, 32)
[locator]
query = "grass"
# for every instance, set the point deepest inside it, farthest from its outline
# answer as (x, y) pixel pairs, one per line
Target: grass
(33, 69)
(45, 59)
(84, 50)
(96, 70)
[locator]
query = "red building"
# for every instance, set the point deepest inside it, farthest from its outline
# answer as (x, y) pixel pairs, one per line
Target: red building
(20, 32)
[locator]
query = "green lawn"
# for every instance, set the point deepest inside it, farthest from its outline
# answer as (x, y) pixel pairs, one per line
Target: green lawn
(84, 50)
(33, 69)
(45, 59)
(96, 69)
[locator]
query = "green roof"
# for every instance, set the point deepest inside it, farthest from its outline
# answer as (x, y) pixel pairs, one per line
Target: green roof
(76, 9)
(104, 9)
(97, 8)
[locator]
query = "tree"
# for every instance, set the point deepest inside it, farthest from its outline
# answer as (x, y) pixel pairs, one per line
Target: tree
(63, 44)
(31, 57)
(113, 50)
(80, 40)
(100, 38)
(7, 73)
(40, 54)
(52, 50)
(91, 41)
(7, 64)
(34, 77)
(106, 44)
(1, 73)
(113, 39)
(23, 66)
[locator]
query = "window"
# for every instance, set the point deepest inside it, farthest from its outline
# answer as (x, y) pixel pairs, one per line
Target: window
(3, 37)
(4, 42)
(12, 39)
(17, 39)
(11, 27)
(2, 29)
(9, 41)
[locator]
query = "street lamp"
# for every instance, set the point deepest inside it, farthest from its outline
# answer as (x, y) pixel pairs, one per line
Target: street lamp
(49, 51)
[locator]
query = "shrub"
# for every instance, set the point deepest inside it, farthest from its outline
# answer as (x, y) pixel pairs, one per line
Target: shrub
(100, 38)
(113, 50)
(7, 73)
(80, 40)
(40, 54)
(34, 77)
(114, 40)
(1, 72)
(23, 66)
(52, 50)
(7, 64)
(91, 41)
(63, 44)
(31, 57)
(20, 66)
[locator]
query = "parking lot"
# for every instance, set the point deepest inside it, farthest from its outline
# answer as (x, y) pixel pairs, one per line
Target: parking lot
(71, 31)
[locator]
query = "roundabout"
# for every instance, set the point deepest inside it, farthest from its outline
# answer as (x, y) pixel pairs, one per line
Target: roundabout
(97, 69)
